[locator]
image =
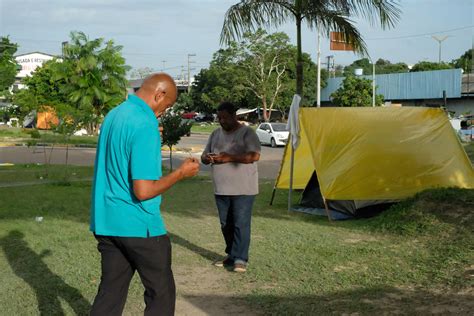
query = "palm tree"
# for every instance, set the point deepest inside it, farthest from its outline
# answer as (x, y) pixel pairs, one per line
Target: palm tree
(95, 74)
(327, 15)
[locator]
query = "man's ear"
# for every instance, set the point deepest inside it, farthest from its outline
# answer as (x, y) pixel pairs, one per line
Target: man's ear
(159, 95)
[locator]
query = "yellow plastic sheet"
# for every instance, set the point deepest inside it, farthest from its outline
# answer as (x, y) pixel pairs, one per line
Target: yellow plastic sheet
(377, 153)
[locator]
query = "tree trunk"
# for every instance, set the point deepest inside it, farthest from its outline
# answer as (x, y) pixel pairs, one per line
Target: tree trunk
(66, 175)
(171, 158)
(266, 116)
(50, 154)
(46, 164)
(67, 160)
(299, 59)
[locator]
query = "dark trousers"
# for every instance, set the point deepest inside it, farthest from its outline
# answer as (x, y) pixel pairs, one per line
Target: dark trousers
(235, 214)
(120, 257)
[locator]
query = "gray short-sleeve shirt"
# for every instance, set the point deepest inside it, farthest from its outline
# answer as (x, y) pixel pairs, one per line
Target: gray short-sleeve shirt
(234, 178)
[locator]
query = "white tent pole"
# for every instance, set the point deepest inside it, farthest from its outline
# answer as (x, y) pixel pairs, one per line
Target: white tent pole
(290, 192)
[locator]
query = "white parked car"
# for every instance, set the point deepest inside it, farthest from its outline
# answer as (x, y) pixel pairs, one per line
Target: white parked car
(274, 134)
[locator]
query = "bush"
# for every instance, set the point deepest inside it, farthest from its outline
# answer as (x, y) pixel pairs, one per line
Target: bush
(34, 134)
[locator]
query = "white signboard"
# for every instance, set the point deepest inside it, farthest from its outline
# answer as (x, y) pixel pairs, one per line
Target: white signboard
(29, 62)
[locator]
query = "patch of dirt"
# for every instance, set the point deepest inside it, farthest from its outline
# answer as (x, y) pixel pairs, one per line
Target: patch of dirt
(355, 239)
(203, 291)
(350, 266)
(426, 302)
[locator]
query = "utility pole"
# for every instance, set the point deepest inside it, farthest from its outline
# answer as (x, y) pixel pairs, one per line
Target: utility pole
(63, 48)
(182, 77)
(318, 80)
(329, 63)
(440, 40)
(373, 84)
(189, 71)
(163, 69)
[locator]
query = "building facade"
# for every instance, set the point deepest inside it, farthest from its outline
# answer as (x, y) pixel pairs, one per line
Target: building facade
(441, 88)
(29, 62)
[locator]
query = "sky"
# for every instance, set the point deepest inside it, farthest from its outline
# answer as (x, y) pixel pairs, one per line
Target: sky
(160, 34)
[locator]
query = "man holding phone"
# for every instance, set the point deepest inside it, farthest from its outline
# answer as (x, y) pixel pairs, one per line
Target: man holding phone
(233, 150)
(126, 198)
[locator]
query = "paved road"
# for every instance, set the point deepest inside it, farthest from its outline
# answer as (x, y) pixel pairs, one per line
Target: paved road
(268, 166)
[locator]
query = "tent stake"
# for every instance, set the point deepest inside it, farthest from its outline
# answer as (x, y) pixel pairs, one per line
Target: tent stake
(273, 196)
(327, 210)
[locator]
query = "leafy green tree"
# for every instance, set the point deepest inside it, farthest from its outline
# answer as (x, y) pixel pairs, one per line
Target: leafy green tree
(42, 89)
(464, 61)
(338, 71)
(257, 70)
(141, 73)
(264, 58)
(94, 74)
(309, 84)
(428, 66)
(363, 63)
(184, 103)
(70, 120)
(173, 129)
(382, 66)
(221, 81)
(8, 65)
(46, 93)
(325, 15)
(355, 92)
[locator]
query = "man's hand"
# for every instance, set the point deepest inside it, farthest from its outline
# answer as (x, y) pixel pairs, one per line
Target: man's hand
(147, 189)
(222, 157)
(189, 168)
(208, 158)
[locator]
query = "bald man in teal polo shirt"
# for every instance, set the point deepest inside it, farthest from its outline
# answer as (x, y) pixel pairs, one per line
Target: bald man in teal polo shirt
(126, 198)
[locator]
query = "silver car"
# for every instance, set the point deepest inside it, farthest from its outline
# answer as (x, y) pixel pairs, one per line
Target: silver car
(274, 134)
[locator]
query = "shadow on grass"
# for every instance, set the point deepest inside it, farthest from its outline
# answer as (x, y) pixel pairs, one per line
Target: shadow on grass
(371, 301)
(206, 254)
(217, 305)
(48, 286)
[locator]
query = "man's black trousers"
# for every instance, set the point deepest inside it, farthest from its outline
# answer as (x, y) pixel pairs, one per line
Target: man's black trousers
(120, 257)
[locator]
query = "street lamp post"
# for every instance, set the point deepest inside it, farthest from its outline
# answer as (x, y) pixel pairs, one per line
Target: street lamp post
(189, 71)
(373, 81)
(440, 40)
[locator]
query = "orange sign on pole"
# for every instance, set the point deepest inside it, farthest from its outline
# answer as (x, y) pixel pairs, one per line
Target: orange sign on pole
(338, 42)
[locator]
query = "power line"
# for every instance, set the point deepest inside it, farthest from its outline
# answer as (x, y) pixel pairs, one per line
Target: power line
(420, 35)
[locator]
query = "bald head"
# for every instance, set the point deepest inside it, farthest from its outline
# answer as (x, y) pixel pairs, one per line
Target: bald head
(158, 91)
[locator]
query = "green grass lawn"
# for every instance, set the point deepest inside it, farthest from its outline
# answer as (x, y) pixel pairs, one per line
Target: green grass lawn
(408, 260)
(205, 128)
(21, 135)
(40, 172)
(208, 128)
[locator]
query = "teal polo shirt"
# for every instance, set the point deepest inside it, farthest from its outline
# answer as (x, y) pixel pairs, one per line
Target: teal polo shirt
(129, 148)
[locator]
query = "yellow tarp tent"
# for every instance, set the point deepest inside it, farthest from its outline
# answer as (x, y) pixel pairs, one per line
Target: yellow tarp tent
(376, 153)
(46, 118)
